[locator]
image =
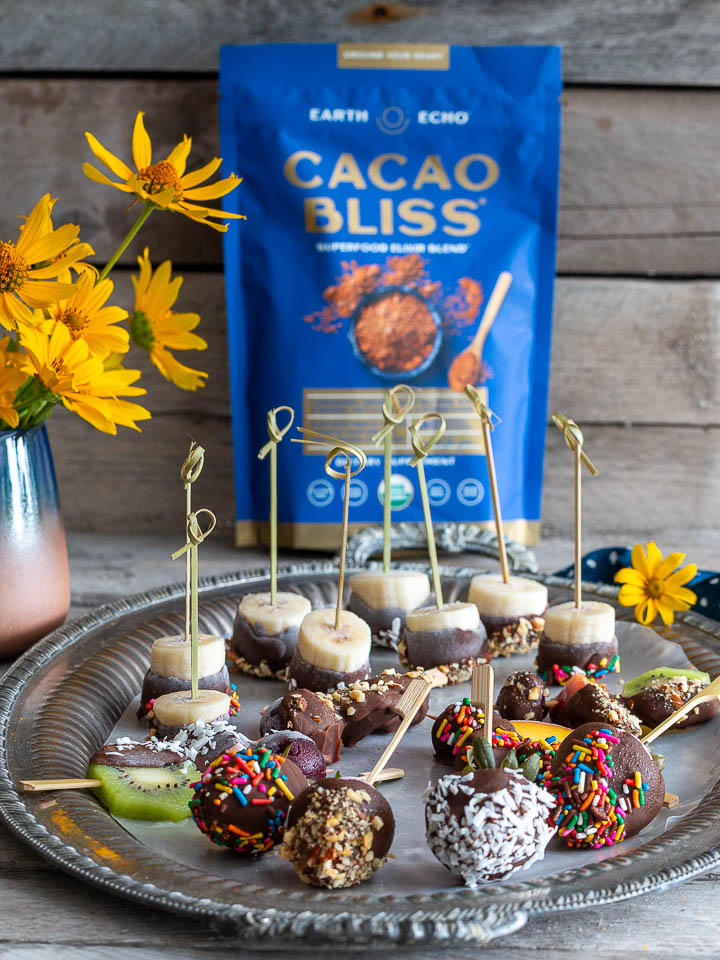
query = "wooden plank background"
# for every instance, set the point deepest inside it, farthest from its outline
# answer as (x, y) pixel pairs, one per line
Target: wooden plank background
(636, 352)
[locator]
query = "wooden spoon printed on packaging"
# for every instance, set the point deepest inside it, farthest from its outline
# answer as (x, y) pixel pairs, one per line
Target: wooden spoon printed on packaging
(465, 368)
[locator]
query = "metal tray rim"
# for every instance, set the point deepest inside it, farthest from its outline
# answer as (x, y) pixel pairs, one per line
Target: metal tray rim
(497, 911)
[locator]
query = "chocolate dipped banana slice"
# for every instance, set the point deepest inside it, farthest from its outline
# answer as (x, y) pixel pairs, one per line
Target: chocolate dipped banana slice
(512, 613)
(170, 668)
(172, 712)
(265, 634)
(578, 639)
(327, 655)
(382, 597)
(451, 638)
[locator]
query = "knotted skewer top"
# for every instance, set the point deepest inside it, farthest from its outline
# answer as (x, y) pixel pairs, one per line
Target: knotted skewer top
(422, 447)
(573, 437)
(275, 432)
(340, 447)
(392, 417)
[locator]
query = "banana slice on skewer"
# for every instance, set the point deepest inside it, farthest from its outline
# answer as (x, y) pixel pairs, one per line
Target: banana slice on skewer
(326, 656)
(451, 638)
(380, 597)
(265, 634)
(173, 711)
(513, 612)
(578, 640)
(170, 668)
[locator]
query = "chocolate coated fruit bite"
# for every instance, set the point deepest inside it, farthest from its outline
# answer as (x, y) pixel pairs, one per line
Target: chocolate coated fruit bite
(265, 634)
(174, 711)
(578, 639)
(512, 613)
(327, 655)
(170, 668)
(657, 694)
(143, 781)
(338, 833)
(381, 597)
(450, 637)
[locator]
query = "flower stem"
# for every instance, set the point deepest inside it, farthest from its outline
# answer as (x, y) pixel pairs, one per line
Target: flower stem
(147, 210)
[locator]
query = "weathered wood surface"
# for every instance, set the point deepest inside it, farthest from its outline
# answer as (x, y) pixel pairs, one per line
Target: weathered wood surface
(45, 914)
(639, 184)
(617, 41)
(624, 352)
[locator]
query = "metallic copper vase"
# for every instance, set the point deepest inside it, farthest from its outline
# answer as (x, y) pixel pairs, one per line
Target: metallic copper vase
(34, 572)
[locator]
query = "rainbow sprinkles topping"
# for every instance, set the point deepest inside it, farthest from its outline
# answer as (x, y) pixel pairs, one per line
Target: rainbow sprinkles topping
(234, 783)
(589, 813)
(561, 674)
(463, 721)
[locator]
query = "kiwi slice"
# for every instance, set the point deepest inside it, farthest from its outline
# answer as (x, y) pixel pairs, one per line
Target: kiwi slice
(661, 673)
(145, 793)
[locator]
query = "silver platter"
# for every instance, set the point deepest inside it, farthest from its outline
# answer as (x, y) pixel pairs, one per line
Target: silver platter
(60, 702)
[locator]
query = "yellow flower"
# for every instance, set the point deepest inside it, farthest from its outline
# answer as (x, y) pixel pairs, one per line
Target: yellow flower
(27, 268)
(86, 317)
(11, 379)
(155, 328)
(78, 380)
(653, 585)
(164, 183)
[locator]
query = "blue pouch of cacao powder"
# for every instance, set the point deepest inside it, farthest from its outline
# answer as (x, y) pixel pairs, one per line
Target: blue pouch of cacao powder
(389, 191)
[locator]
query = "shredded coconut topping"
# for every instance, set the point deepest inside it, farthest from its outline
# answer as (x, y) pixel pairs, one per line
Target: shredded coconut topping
(496, 833)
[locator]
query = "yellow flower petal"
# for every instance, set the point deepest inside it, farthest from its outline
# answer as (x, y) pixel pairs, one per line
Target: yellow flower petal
(654, 559)
(92, 410)
(10, 416)
(682, 576)
(179, 154)
(665, 611)
(94, 174)
(670, 563)
(214, 190)
(630, 596)
(639, 561)
(646, 612)
(112, 162)
(683, 595)
(38, 220)
(141, 146)
(41, 293)
(182, 376)
(202, 173)
(628, 575)
(50, 245)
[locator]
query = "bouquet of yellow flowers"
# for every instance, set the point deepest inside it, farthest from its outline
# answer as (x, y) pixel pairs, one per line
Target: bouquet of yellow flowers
(66, 343)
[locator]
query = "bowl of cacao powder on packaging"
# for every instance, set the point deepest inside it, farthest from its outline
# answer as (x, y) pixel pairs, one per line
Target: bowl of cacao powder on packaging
(396, 332)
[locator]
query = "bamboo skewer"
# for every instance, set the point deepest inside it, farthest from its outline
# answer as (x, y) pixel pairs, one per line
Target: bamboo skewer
(407, 706)
(482, 695)
(276, 433)
(194, 536)
(347, 450)
(486, 419)
(35, 786)
(343, 542)
(711, 692)
(392, 417)
(421, 449)
(389, 773)
(574, 441)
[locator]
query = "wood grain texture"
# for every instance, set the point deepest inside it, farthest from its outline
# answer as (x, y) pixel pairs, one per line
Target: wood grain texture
(639, 183)
(625, 352)
(617, 41)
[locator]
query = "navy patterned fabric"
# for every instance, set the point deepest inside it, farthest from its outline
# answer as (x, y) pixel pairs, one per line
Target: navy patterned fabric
(600, 566)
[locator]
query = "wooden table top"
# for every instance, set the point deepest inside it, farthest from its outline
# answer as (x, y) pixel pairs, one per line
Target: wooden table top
(45, 913)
